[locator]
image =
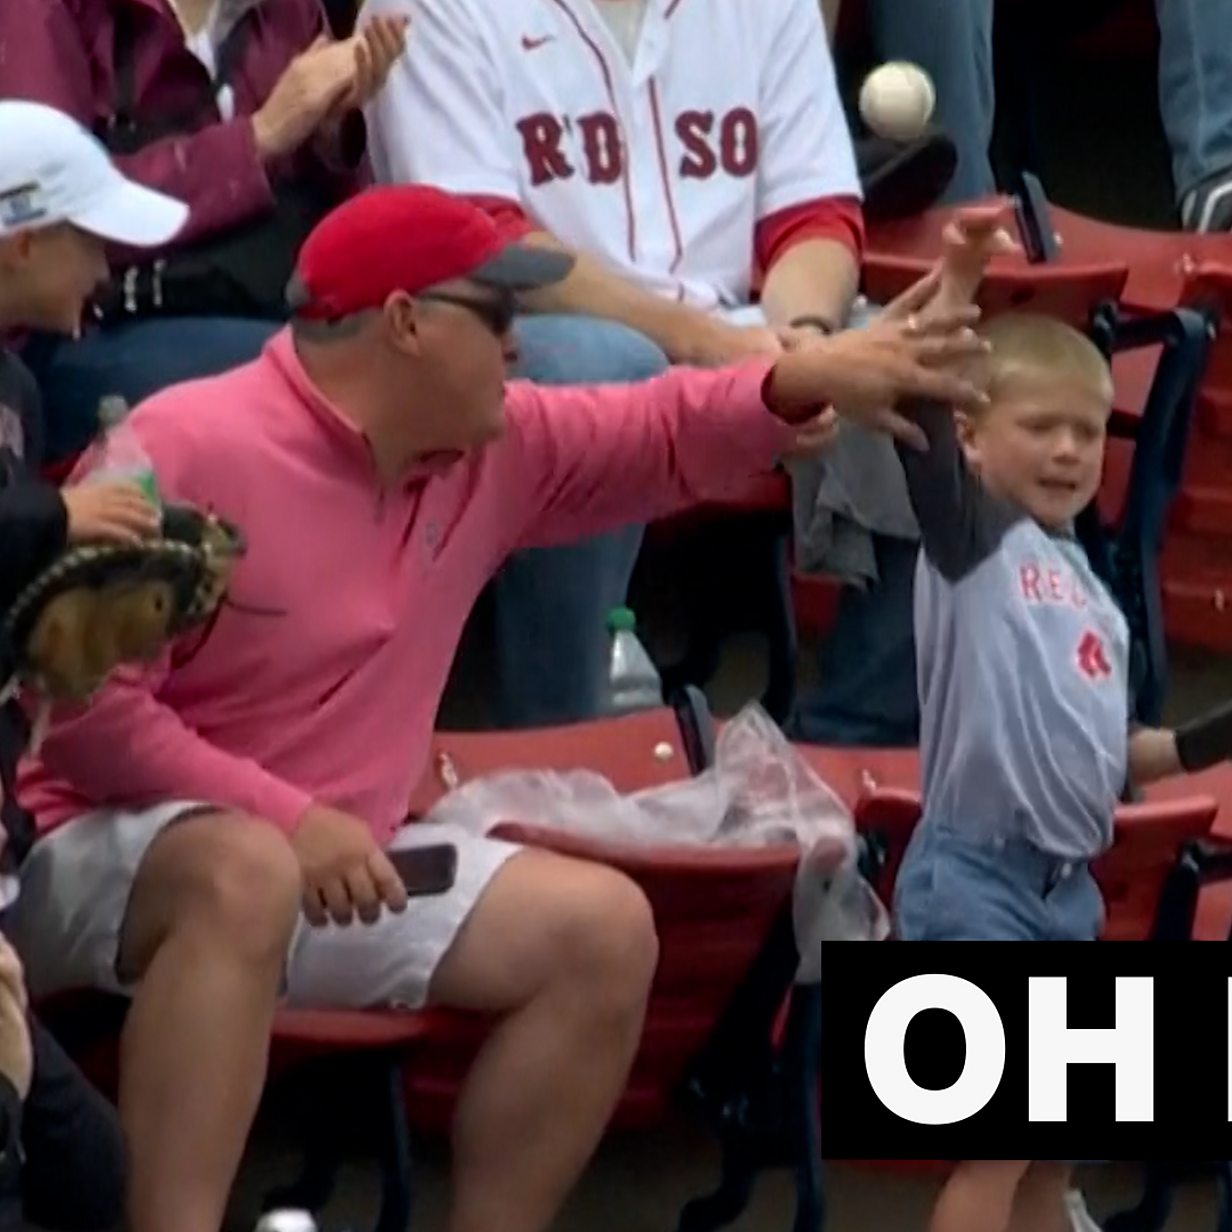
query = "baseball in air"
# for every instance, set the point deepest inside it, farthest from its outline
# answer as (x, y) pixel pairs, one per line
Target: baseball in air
(897, 100)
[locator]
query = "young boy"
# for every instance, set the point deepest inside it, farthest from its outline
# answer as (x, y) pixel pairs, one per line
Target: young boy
(1025, 743)
(60, 201)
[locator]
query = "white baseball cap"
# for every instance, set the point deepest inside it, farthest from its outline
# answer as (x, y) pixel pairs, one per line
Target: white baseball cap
(53, 171)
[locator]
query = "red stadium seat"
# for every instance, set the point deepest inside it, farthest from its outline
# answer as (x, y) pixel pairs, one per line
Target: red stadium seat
(626, 750)
(1070, 292)
(1134, 872)
(713, 908)
(889, 815)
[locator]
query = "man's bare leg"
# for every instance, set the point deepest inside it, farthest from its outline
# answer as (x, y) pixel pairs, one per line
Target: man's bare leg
(207, 930)
(567, 951)
(979, 1196)
(1039, 1205)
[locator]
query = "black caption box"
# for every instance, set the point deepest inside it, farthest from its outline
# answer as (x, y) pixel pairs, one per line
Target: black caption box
(1184, 1066)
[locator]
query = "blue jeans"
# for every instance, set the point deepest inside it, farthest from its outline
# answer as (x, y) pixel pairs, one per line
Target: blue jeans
(550, 604)
(952, 888)
(1195, 87)
(952, 41)
(134, 361)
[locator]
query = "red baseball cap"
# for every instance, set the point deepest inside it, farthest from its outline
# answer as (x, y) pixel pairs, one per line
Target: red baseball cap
(408, 238)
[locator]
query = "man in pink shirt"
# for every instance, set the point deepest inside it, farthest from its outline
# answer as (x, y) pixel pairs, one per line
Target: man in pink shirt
(211, 826)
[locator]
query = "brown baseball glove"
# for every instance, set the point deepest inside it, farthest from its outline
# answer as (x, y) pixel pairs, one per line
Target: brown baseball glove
(100, 605)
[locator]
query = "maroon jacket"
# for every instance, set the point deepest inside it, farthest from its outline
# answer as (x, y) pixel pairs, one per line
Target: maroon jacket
(60, 52)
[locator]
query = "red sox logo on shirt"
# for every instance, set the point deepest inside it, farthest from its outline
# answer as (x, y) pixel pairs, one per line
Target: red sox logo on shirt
(1092, 658)
(708, 143)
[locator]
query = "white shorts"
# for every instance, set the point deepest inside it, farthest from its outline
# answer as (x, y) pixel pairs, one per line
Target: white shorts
(66, 925)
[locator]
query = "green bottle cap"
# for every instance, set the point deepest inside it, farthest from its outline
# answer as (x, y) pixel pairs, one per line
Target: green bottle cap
(621, 620)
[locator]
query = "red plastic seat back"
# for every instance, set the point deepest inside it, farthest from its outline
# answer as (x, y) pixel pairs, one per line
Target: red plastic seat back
(1133, 872)
(1070, 292)
(628, 750)
(891, 814)
(1209, 284)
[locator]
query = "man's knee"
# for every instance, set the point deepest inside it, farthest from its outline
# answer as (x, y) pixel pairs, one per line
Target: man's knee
(232, 877)
(607, 940)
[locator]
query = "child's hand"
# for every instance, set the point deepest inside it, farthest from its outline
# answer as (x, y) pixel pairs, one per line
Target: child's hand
(117, 511)
(973, 237)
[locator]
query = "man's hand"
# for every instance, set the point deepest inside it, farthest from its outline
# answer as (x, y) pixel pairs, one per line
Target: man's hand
(865, 372)
(345, 872)
(16, 1051)
(114, 511)
(311, 86)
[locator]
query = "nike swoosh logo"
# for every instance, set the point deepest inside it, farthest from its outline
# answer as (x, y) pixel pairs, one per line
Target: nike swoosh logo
(530, 44)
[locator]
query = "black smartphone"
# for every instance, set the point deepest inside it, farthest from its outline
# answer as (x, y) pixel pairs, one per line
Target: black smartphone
(426, 870)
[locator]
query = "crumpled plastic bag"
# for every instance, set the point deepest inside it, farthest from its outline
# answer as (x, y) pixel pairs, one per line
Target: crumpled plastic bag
(759, 792)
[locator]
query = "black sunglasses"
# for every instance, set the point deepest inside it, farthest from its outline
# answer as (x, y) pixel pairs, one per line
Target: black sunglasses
(497, 314)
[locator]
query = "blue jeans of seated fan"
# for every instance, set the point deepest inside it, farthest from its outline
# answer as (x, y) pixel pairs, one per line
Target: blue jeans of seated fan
(551, 604)
(952, 40)
(134, 361)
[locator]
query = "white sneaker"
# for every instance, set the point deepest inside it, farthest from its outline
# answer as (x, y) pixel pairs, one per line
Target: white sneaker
(1080, 1218)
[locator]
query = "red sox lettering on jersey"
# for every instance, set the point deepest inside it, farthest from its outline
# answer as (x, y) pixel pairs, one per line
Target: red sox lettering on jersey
(661, 162)
(728, 146)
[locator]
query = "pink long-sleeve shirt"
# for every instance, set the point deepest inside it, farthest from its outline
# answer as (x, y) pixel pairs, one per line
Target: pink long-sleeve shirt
(321, 680)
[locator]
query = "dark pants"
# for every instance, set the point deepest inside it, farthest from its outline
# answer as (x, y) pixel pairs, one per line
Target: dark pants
(867, 694)
(133, 361)
(74, 1173)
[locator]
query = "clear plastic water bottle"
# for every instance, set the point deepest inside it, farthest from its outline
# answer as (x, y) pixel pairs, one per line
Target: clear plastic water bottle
(119, 454)
(633, 681)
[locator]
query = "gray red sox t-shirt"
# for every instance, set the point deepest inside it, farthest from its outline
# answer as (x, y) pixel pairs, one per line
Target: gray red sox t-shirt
(1022, 666)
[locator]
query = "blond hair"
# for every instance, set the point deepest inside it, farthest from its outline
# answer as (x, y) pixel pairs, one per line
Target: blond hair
(1028, 346)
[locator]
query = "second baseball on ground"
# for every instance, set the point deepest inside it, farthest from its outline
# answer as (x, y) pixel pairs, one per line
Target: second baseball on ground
(897, 100)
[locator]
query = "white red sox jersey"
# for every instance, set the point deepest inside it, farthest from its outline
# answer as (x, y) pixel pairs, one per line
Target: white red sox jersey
(662, 163)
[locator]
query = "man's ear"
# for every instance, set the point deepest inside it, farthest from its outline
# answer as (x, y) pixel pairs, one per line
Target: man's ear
(402, 322)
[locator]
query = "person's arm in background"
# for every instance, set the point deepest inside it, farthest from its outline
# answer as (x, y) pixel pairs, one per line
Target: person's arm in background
(338, 153)
(33, 530)
(221, 171)
(37, 519)
(218, 171)
(810, 230)
(440, 121)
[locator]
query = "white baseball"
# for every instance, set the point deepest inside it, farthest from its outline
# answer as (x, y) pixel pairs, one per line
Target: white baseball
(897, 100)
